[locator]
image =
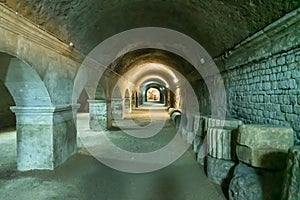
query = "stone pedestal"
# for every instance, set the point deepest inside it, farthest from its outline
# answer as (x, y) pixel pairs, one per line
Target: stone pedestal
(291, 184)
(46, 136)
(264, 146)
(98, 114)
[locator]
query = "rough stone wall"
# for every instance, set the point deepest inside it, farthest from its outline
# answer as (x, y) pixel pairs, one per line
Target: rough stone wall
(7, 117)
(266, 91)
(262, 76)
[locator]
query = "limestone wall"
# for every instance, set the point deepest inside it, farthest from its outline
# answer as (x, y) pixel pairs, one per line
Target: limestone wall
(266, 91)
(262, 76)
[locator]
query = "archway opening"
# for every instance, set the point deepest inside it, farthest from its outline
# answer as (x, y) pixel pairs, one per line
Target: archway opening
(153, 95)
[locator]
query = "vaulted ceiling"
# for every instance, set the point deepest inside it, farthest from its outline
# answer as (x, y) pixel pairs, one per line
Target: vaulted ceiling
(216, 24)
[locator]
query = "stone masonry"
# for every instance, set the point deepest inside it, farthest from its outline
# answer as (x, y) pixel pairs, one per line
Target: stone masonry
(267, 92)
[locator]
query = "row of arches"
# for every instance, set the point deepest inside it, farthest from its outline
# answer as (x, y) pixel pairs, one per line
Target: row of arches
(46, 90)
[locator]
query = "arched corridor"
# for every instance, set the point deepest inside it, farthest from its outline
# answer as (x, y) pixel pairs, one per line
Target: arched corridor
(158, 99)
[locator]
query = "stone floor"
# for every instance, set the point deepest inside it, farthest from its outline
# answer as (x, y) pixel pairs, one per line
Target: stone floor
(84, 177)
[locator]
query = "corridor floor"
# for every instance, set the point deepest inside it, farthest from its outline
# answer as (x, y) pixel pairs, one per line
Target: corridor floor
(84, 177)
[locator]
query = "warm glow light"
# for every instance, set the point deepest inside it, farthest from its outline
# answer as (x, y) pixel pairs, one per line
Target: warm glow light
(151, 69)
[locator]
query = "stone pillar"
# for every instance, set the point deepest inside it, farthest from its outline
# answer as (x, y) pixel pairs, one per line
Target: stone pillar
(98, 114)
(116, 109)
(127, 109)
(46, 136)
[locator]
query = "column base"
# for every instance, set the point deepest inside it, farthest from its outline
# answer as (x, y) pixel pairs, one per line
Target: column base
(46, 137)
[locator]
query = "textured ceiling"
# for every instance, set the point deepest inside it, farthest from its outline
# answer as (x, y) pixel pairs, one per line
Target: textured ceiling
(216, 24)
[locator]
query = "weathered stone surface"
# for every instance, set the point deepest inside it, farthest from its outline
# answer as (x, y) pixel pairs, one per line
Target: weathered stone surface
(222, 143)
(98, 114)
(196, 143)
(220, 171)
(228, 122)
(202, 152)
(200, 125)
(190, 137)
(264, 146)
(291, 185)
(69, 15)
(184, 133)
(127, 108)
(116, 109)
(251, 183)
(46, 136)
(265, 135)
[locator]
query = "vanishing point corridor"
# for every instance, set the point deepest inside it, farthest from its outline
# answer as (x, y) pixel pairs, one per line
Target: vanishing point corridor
(84, 177)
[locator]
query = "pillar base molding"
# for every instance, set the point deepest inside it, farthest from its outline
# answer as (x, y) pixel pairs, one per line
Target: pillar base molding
(46, 136)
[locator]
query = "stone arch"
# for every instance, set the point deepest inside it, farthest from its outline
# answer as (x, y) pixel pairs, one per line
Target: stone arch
(44, 54)
(101, 93)
(23, 82)
(163, 39)
(38, 71)
(160, 88)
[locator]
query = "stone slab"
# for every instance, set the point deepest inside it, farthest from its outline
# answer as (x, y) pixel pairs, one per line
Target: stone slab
(276, 137)
(291, 184)
(219, 171)
(228, 122)
(222, 142)
(250, 183)
(267, 158)
(264, 146)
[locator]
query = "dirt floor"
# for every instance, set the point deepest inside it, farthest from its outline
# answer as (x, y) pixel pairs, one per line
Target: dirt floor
(84, 177)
